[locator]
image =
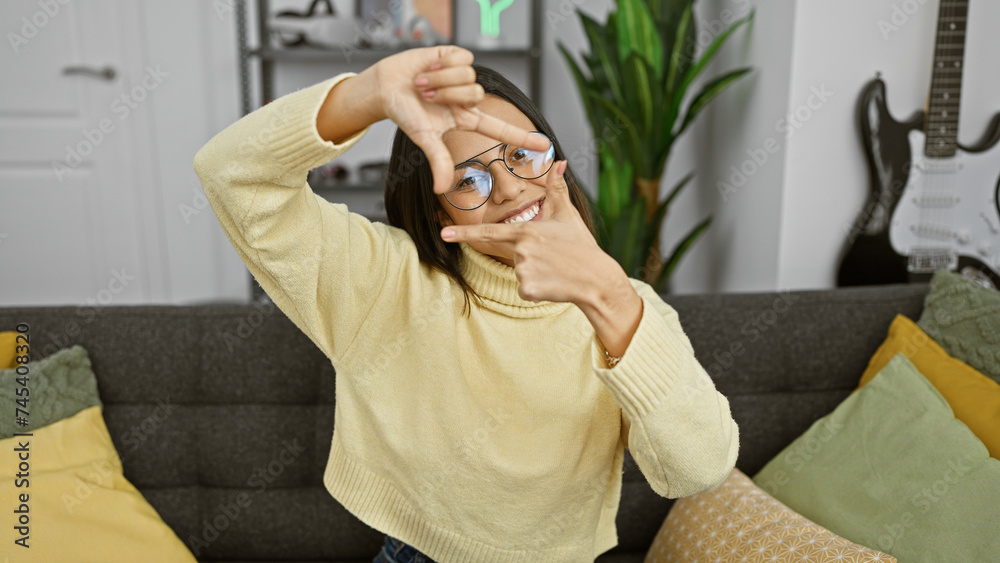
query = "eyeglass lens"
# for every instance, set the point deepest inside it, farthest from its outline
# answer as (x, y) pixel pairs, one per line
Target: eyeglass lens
(473, 181)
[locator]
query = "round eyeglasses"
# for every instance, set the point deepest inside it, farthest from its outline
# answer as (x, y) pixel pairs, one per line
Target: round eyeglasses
(473, 182)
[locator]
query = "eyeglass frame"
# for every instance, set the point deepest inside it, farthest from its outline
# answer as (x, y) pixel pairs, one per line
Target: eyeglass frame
(490, 172)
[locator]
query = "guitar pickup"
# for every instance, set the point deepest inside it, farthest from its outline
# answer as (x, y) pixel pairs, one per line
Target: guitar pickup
(933, 231)
(936, 201)
(939, 166)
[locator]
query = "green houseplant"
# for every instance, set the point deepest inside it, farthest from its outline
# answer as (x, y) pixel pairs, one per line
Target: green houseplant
(633, 83)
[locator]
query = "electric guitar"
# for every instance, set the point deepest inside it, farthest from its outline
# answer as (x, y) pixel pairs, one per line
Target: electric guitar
(934, 203)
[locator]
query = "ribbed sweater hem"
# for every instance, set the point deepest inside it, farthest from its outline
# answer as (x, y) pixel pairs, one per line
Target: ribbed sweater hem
(377, 503)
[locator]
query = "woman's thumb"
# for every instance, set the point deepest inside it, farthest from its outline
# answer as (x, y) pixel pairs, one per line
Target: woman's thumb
(558, 190)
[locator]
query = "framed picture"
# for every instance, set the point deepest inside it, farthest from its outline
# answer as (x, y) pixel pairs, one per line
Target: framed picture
(394, 23)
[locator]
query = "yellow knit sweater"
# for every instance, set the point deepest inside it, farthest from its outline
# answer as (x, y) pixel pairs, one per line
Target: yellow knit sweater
(497, 437)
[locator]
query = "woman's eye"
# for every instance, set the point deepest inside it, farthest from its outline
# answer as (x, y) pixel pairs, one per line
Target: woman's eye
(519, 154)
(466, 183)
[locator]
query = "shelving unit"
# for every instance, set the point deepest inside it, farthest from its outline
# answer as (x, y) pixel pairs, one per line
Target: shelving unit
(267, 57)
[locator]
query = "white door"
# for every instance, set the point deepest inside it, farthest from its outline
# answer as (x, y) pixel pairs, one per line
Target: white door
(77, 210)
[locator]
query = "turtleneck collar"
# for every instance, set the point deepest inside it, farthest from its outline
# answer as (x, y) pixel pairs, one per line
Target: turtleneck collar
(497, 284)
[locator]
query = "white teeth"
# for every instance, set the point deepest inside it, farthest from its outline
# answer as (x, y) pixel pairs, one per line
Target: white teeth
(526, 216)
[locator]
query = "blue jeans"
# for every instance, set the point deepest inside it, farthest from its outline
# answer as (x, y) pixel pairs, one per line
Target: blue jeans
(395, 551)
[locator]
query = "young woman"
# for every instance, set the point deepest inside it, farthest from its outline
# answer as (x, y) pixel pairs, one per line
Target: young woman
(492, 362)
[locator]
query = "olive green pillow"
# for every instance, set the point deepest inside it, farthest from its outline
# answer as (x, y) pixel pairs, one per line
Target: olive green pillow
(964, 318)
(59, 386)
(892, 469)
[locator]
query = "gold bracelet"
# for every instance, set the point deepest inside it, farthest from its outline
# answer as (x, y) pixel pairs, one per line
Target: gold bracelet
(612, 360)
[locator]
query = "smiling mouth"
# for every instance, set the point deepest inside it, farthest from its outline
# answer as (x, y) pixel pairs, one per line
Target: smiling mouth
(529, 214)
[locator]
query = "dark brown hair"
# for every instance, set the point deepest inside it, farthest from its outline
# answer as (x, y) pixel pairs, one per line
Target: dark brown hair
(410, 202)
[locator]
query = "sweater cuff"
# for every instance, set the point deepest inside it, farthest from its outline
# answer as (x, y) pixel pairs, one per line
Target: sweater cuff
(656, 362)
(292, 134)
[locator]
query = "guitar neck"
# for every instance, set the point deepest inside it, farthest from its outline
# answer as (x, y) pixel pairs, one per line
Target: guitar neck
(941, 125)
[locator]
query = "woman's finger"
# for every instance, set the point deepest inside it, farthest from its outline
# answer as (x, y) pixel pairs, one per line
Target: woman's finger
(470, 94)
(504, 132)
(450, 56)
(448, 76)
(453, 55)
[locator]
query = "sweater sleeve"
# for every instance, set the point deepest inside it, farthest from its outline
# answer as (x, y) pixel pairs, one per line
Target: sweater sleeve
(677, 426)
(322, 265)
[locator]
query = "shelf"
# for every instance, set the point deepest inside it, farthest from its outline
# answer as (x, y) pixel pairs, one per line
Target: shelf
(312, 54)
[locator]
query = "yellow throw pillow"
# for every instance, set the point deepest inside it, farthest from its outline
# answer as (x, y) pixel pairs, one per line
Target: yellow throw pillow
(973, 397)
(70, 501)
(739, 521)
(7, 342)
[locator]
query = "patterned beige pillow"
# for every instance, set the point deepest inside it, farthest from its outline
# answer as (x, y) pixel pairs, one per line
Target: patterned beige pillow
(739, 521)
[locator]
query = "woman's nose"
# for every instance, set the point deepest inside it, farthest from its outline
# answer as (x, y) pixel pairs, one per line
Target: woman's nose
(505, 184)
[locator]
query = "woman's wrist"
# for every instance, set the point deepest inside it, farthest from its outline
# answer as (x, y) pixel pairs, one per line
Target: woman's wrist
(352, 105)
(613, 308)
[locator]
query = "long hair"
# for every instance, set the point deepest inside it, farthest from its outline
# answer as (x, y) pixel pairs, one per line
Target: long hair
(410, 202)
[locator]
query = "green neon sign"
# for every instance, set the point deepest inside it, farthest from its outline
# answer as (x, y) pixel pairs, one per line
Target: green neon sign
(489, 16)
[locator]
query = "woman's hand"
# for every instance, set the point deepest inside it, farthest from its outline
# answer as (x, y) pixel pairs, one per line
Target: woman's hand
(555, 259)
(444, 98)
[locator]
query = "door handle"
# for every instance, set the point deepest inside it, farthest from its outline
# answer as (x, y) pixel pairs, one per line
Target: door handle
(106, 73)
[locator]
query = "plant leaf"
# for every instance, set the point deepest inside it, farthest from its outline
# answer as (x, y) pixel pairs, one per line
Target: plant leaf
(599, 49)
(656, 224)
(677, 52)
(677, 189)
(679, 251)
(633, 150)
(615, 185)
(696, 69)
(581, 85)
(636, 72)
(627, 234)
(712, 89)
(637, 33)
(709, 53)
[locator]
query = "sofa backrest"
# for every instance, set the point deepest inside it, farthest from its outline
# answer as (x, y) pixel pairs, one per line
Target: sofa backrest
(223, 413)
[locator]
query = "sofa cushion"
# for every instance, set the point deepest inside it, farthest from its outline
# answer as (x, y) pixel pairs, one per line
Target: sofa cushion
(59, 386)
(739, 521)
(77, 505)
(892, 468)
(8, 346)
(70, 497)
(964, 317)
(973, 397)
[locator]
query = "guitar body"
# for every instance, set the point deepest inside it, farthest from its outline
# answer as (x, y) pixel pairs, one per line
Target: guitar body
(923, 214)
(869, 258)
(946, 219)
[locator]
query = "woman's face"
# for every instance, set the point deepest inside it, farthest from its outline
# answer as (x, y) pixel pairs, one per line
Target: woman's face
(511, 194)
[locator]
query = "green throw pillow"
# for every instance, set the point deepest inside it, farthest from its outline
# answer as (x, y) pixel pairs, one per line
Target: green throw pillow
(59, 386)
(892, 469)
(964, 318)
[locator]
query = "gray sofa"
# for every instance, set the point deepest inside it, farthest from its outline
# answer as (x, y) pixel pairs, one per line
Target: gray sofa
(207, 402)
